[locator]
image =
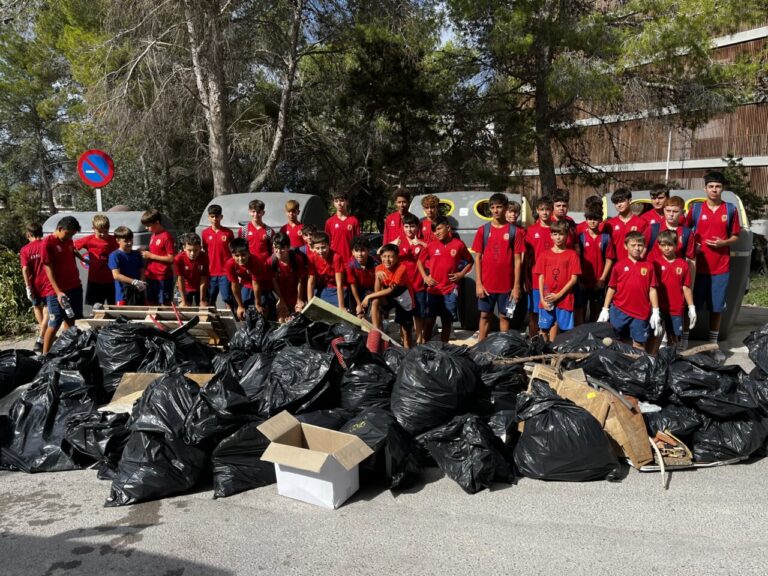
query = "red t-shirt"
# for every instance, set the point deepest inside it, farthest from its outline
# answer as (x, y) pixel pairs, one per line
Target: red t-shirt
(538, 240)
(444, 259)
(633, 282)
(592, 257)
(498, 258)
(293, 231)
(244, 275)
(216, 245)
(425, 231)
(31, 256)
(160, 244)
(396, 277)
(287, 275)
(654, 252)
(583, 227)
(325, 270)
(259, 241)
(191, 270)
(363, 278)
(713, 224)
(618, 230)
(393, 228)
(672, 276)
(60, 256)
(653, 217)
(98, 252)
(409, 254)
(557, 268)
(342, 232)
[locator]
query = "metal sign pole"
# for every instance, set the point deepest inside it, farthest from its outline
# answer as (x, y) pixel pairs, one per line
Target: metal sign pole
(98, 199)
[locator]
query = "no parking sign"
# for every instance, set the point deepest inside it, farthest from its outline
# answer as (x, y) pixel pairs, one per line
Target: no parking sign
(95, 168)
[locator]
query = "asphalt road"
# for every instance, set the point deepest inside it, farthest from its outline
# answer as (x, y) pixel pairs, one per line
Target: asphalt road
(709, 521)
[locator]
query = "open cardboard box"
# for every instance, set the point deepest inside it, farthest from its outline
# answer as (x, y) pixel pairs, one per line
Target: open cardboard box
(313, 464)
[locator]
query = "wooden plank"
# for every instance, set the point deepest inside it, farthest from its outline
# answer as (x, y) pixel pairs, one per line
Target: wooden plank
(320, 310)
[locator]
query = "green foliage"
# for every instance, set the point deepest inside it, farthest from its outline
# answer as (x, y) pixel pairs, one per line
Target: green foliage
(738, 182)
(758, 292)
(15, 317)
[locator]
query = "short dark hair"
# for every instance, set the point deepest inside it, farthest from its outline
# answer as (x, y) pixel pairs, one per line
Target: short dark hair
(320, 238)
(634, 235)
(390, 248)
(498, 198)
(401, 192)
(35, 229)
(340, 195)
(561, 195)
(410, 219)
(620, 195)
(214, 210)
(715, 176)
(123, 233)
(593, 215)
(281, 240)
(151, 216)
(69, 223)
(544, 202)
(238, 245)
(559, 226)
(308, 229)
(659, 188)
(256, 205)
(191, 238)
(593, 201)
(667, 237)
(440, 220)
(360, 243)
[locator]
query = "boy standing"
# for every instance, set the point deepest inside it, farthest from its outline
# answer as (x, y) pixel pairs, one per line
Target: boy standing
(558, 271)
(191, 268)
(716, 226)
(244, 271)
(393, 224)
(597, 257)
(413, 249)
(591, 204)
(216, 239)
(431, 206)
(619, 226)
(127, 267)
(498, 256)
(99, 245)
(342, 227)
(293, 227)
(258, 234)
(632, 291)
(686, 243)
(35, 278)
(307, 232)
(289, 270)
(159, 260)
(659, 195)
(361, 273)
(538, 240)
(444, 255)
(326, 271)
(560, 200)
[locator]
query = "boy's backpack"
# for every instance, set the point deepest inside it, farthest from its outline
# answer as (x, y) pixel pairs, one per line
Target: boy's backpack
(656, 228)
(605, 239)
(730, 211)
(487, 234)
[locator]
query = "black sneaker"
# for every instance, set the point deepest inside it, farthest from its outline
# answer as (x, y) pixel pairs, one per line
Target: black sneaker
(38, 347)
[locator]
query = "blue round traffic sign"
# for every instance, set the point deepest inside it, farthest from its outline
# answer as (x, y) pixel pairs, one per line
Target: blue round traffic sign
(95, 168)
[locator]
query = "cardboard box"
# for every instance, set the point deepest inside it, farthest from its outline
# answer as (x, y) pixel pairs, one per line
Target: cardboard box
(313, 464)
(132, 386)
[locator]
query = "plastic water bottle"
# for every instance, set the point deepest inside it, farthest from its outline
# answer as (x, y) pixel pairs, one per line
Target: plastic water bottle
(511, 305)
(67, 306)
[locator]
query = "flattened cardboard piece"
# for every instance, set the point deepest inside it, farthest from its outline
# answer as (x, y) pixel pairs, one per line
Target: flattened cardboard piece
(133, 384)
(627, 429)
(593, 401)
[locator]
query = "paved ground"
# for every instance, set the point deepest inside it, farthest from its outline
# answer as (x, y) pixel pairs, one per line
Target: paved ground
(710, 521)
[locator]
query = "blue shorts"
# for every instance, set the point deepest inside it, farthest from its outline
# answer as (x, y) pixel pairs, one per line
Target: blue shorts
(56, 314)
(444, 306)
(627, 326)
(499, 301)
(710, 292)
(39, 301)
(420, 308)
(247, 296)
(160, 291)
(563, 318)
(672, 324)
(219, 285)
(583, 296)
(534, 299)
(329, 295)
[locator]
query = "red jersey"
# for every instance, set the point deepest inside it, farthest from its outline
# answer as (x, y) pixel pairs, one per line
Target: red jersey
(498, 257)
(192, 271)
(259, 240)
(287, 276)
(244, 275)
(425, 231)
(557, 268)
(342, 232)
(653, 217)
(31, 256)
(216, 245)
(396, 277)
(98, 252)
(393, 228)
(672, 276)
(160, 244)
(633, 282)
(293, 231)
(713, 224)
(618, 230)
(595, 250)
(682, 251)
(60, 256)
(363, 278)
(325, 269)
(409, 254)
(538, 240)
(443, 259)
(583, 227)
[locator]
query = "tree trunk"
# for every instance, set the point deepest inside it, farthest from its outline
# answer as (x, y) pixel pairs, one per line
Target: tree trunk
(285, 98)
(543, 134)
(46, 193)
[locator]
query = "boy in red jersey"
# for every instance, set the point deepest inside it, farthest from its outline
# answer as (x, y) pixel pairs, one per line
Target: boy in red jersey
(258, 234)
(659, 195)
(538, 240)
(393, 224)
(674, 290)
(63, 292)
(560, 200)
(597, 257)
(558, 271)
(216, 239)
(289, 270)
(632, 291)
(431, 206)
(413, 249)
(361, 274)
(619, 226)
(686, 243)
(498, 255)
(293, 227)
(35, 278)
(592, 204)
(159, 260)
(716, 226)
(326, 272)
(191, 268)
(99, 245)
(342, 227)
(306, 235)
(444, 259)
(244, 272)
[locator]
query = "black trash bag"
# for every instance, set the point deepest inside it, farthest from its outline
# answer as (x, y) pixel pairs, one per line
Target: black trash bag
(645, 377)
(120, 348)
(156, 462)
(101, 436)
(757, 344)
(500, 345)
(367, 384)
(193, 356)
(395, 459)
(38, 421)
(584, 338)
(718, 440)
(680, 421)
(435, 383)
(255, 374)
(560, 440)
(237, 463)
(713, 390)
(231, 361)
(75, 349)
(160, 356)
(353, 346)
(503, 424)
(758, 389)
(17, 367)
(393, 356)
(291, 333)
(299, 381)
(74, 343)
(500, 387)
(331, 419)
(250, 336)
(469, 453)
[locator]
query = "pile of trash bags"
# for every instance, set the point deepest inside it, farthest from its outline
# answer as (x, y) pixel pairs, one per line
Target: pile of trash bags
(469, 411)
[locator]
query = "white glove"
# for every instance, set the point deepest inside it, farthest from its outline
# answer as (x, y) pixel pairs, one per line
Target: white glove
(30, 294)
(691, 316)
(605, 315)
(656, 322)
(140, 286)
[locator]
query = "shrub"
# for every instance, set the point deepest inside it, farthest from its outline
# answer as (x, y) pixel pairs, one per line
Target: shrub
(15, 315)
